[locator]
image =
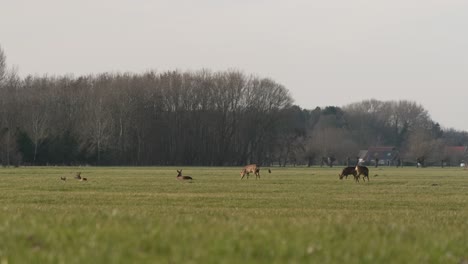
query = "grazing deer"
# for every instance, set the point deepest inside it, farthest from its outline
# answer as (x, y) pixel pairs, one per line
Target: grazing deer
(348, 171)
(78, 176)
(183, 178)
(252, 168)
(63, 178)
(362, 170)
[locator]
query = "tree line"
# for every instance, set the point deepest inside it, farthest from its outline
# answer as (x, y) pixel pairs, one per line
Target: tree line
(196, 118)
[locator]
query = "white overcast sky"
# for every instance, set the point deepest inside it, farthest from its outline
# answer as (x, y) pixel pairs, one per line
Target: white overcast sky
(328, 52)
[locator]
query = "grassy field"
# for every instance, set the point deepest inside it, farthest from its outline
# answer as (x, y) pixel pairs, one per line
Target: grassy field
(293, 215)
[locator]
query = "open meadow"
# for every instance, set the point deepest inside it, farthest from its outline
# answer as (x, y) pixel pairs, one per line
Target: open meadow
(293, 215)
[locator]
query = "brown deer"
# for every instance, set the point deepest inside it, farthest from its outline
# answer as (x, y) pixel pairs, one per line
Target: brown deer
(362, 170)
(183, 178)
(63, 178)
(78, 176)
(348, 171)
(252, 168)
(83, 179)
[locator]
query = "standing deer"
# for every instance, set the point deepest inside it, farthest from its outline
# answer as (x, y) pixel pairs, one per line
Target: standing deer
(252, 168)
(182, 178)
(347, 171)
(78, 176)
(362, 170)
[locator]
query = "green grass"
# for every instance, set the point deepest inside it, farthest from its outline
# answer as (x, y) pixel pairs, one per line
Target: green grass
(293, 215)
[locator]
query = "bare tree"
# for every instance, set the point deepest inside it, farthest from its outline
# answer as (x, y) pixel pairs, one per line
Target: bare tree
(374, 122)
(423, 148)
(263, 100)
(3, 69)
(35, 110)
(227, 90)
(9, 119)
(364, 120)
(96, 120)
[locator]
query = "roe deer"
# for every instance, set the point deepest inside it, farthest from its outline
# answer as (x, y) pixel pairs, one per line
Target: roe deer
(182, 178)
(252, 168)
(362, 170)
(348, 171)
(78, 176)
(63, 178)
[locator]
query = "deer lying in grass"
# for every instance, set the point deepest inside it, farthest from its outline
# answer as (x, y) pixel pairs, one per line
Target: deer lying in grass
(183, 178)
(348, 171)
(252, 168)
(362, 170)
(63, 178)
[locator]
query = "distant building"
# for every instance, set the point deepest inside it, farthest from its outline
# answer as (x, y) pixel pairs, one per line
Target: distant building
(385, 155)
(455, 155)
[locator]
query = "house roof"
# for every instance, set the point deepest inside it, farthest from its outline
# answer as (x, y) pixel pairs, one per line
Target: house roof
(455, 150)
(381, 149)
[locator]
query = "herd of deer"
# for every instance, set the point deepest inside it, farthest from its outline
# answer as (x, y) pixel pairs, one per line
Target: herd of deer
(253, 168)
(77, 176)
